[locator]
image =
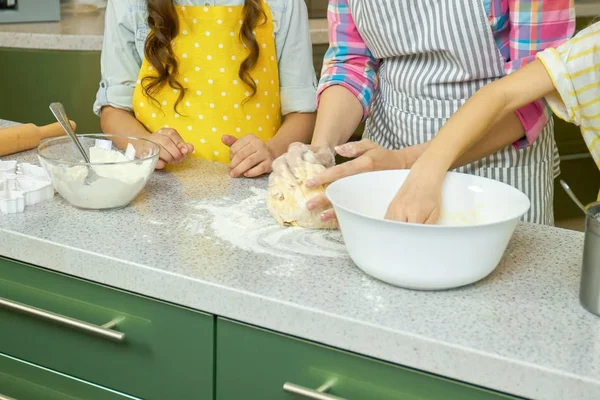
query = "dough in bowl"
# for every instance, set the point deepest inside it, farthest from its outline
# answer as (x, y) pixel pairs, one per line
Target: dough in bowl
(288, 194)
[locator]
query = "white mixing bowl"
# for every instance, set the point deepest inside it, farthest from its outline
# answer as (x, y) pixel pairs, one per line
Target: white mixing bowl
(479, 216)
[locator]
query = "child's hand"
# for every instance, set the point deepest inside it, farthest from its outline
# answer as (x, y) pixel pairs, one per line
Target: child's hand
(173, 148)
(249, 155)
(368, 156)
(418, 201)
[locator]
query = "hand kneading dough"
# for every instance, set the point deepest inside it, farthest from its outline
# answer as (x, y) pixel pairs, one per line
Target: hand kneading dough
(287, 199)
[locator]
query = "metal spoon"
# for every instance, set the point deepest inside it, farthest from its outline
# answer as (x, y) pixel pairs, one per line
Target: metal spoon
(576, 200)
(61, 116)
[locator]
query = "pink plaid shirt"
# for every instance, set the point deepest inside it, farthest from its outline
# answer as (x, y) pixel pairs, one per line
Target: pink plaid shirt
(521, 29)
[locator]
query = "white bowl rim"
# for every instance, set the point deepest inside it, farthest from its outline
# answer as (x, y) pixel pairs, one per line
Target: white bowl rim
(430, 226)
(98, 136)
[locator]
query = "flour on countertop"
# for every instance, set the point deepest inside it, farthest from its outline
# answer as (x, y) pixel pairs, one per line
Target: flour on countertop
(248, 225)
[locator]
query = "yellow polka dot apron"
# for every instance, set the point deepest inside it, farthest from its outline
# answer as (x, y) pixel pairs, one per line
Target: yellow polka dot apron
(209, 51)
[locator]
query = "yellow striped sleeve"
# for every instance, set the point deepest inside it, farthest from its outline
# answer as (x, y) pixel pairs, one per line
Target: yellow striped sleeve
(562, 104)
(575, 71)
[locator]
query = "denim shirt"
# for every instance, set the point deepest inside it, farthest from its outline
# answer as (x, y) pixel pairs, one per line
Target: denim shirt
(126, 30)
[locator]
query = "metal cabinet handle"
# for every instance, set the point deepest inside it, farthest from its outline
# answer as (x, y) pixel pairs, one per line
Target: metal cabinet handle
(312, 394)
(2, 397)
(103, 331)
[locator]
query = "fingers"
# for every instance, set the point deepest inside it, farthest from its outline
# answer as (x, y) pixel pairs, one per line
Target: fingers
(242, 155)
(169, 152)
(242, 148)
(244, 141)
(228, 140)
(283, 165)
(174, 136)
(295, 156)
(245, 164)
(405, 210)
(281, 170)
(328, 215)
(355, 149)
(262, 168)
(250, 157)
(319, 201)
(160, 164)
(322, 155)
(356, 166)
(433, 217)
(172, 145)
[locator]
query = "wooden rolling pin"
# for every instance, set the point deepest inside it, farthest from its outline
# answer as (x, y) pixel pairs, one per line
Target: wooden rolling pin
(27, 136)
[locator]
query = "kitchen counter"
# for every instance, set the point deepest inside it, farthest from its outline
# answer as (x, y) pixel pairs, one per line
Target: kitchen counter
(199, 239)
(85, 32)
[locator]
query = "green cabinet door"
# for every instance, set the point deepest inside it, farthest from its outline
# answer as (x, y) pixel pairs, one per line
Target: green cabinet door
(32, 79)
(256, 364)
(20, 380)
(166, 353)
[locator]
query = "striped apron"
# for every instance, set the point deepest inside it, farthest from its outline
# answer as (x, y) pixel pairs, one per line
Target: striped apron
(435, 55)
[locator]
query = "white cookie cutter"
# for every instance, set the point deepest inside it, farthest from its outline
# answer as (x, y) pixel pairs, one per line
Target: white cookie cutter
(12, 202)
(32, 170)
(7, 167)
(22, 185)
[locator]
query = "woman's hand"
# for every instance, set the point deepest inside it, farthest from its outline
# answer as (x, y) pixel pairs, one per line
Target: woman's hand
(285, 166)
(368, 156)
(173, 148)
(299, 154)
(249, 155)
(419, 200)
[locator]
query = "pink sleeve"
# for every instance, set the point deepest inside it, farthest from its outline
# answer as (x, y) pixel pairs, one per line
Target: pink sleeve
(348, 61)
(534, 26)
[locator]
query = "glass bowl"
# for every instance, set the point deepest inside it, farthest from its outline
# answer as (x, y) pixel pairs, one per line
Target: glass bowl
(123, 165)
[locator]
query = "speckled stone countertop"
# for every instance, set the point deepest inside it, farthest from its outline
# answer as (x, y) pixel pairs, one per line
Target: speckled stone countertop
(85, 32)
(520, 331)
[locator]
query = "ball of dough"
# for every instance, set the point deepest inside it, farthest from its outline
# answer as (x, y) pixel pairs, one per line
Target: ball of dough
(287, 197)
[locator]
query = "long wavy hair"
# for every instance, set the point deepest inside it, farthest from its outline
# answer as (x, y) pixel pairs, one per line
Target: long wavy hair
(164, 27)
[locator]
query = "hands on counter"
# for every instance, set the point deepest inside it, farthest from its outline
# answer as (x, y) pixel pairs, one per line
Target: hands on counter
(173, 148)
(250, 156)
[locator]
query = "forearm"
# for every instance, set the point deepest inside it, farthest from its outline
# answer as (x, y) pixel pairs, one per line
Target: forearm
(339, 114)
(503, 133)
(114, 120)
(296, 127)
(474, 131)
(487, 122)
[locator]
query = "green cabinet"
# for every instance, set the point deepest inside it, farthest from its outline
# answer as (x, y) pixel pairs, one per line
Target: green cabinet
(166, 353)
(256, 364)
(21, 380)
(32, 79)
(169, 352)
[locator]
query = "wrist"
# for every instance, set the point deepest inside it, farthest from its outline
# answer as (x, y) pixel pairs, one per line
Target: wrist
(430, 169)
(323, 143)
(408, 156)
(273, 148)
(329, 138)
